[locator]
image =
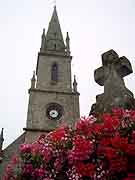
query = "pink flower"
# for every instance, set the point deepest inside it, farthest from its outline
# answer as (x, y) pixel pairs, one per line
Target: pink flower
(25, 148)
(58, 164)
(47, 153)
(39, 172)
(15, 160)
(9, 169)
(81, 150)
(96, 148)
(36, 148)
(27, 169)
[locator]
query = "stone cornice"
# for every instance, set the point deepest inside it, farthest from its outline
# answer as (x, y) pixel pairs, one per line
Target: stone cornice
(38, 130)
(57, 54)
(53, 92)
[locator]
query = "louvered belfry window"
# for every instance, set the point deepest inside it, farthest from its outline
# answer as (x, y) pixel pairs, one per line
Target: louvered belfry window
(54, 72)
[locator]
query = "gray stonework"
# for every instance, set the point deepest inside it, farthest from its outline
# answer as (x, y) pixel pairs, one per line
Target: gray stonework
(43, 71)
(111, 75)
(49, 91)
(45, 91)
(54, 37)
(52, 42)
(38, 102)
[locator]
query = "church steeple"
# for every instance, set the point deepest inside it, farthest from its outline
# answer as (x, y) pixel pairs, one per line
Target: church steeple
(52, 99)
(54, 39)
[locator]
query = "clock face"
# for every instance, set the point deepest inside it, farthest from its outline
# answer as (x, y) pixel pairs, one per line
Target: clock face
(54, 111)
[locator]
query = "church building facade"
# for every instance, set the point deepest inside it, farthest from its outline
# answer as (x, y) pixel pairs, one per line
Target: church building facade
(53, 99)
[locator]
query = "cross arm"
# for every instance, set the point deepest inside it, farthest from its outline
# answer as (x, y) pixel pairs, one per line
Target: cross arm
(125, 67)
(99, 76)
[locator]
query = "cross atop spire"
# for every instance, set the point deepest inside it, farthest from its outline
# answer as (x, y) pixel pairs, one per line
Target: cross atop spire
(54, 3)
(54, 37)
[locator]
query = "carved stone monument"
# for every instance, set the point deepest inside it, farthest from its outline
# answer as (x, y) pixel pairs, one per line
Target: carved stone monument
(110, 75)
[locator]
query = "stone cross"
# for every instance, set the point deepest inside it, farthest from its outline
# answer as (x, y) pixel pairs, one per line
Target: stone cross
(110, 75)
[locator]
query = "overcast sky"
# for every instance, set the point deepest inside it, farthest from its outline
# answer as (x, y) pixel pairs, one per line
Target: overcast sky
(94, 26)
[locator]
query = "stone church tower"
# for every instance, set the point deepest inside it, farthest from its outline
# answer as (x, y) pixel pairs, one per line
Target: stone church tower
(52, 98)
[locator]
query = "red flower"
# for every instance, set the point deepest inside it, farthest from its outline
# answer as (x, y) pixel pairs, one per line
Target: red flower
(131, 150)
(105, 141)
(132, 113)
(131, 176)
(83, 126)
(119, 143)
(98, 148)
(81, 150)
(85, 169)
(118, 164)
(133, 136)
(118, 112)
(110, 122)
(58, 134)
(97, 128)
(110, 152)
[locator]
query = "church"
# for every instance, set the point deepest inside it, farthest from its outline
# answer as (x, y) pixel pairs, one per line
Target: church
(53, 99)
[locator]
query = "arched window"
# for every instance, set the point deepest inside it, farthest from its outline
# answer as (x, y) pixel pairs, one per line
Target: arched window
(55, 46)
(54, 72)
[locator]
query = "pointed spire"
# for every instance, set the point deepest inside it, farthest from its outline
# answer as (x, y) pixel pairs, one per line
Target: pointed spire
(68, 44)
(1, 139)
(42, 41)
(33, 81)
(75, 84)
(54, 37)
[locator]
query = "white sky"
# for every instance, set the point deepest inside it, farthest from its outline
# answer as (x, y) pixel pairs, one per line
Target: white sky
(94, 26)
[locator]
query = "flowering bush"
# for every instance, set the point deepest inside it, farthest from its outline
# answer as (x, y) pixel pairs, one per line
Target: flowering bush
(100, 147)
